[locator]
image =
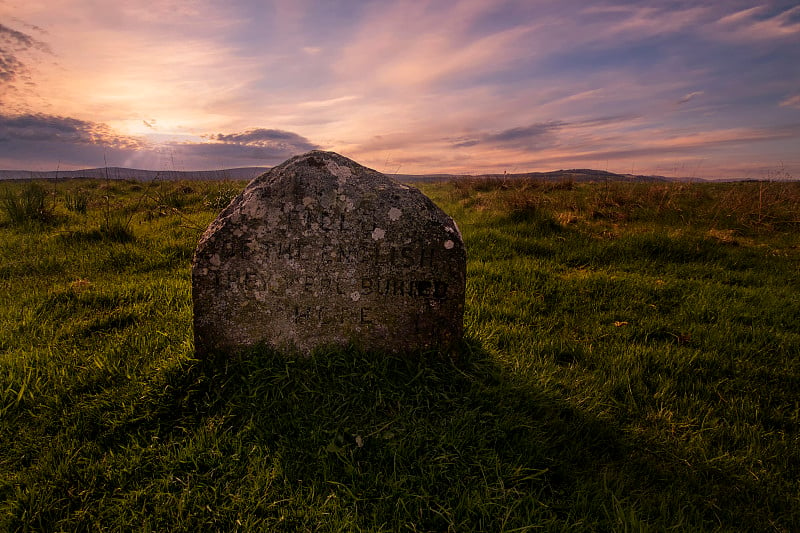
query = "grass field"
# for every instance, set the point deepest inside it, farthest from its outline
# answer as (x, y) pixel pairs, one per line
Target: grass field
(631, 363)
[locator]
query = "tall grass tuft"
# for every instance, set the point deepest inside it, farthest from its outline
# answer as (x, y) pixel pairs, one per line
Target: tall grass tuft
(30, 206)
(76, 201)
(219, 197)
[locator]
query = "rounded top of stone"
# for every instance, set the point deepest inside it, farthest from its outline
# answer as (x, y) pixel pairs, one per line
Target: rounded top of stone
(317, 158)
(327, 179)
(325, 168)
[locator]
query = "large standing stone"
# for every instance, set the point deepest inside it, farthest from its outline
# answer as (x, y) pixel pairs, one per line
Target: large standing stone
(322, 251)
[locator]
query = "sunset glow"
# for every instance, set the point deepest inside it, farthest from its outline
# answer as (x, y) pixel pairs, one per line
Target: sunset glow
(709, 89)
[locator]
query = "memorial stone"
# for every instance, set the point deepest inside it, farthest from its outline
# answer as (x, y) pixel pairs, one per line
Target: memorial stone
(321, 251)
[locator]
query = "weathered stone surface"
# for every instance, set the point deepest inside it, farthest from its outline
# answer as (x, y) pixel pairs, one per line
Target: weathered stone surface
(322, 251)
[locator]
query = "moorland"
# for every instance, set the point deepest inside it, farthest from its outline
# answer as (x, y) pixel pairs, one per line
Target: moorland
(631, 363)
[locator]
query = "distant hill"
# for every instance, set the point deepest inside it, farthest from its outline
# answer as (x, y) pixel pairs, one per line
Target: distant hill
(581, 175)
(119, 173)
(248, 173)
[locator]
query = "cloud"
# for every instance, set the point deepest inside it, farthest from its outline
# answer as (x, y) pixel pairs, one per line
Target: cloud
(39, 127)
(265, 138)
(636, 21)
(181, 61)
(612, 120)
(327, 102)
(448, 43)
(12, 43)
(525, 133)
(84, 144)
(691, 96)
(792, 101)
(749, 24)
(21, 40)
(44, 142)
(260, 145)
(268, 146)
(715, 20)
(532, 137)
(658, 143)
(210, 155)
(10, 66)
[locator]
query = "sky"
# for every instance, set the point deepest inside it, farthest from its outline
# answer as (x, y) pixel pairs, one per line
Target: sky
(704, 89)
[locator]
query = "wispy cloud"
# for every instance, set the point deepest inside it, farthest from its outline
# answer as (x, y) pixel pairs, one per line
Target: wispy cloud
(753, 24)
(445, 44)
(792, 101)
(690, 96)
(633, 21)
(531, 137)
(328, 102)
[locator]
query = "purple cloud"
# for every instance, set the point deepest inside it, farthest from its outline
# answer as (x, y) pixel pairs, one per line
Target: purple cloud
(85, 143)
(236, 154)
(266, 138)
(267, 146)
(533, 136)
(10, 66)
(39, 127)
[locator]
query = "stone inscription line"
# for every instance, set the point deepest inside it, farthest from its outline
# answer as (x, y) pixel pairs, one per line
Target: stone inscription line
(323, 316)
(423, 255)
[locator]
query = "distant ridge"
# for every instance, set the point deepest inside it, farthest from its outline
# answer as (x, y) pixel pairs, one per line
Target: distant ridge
(581, 175)
(247, 173)
(119, 173)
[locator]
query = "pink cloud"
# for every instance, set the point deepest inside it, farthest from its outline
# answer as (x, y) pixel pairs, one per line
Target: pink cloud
(792, 101)
(442, 47)
(690, 96)
(637, 21)
(747, 25)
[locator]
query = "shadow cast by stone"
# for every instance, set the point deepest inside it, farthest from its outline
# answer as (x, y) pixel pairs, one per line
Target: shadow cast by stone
(424, 442)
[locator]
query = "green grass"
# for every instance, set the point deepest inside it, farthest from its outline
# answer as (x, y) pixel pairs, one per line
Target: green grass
(632, 363)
